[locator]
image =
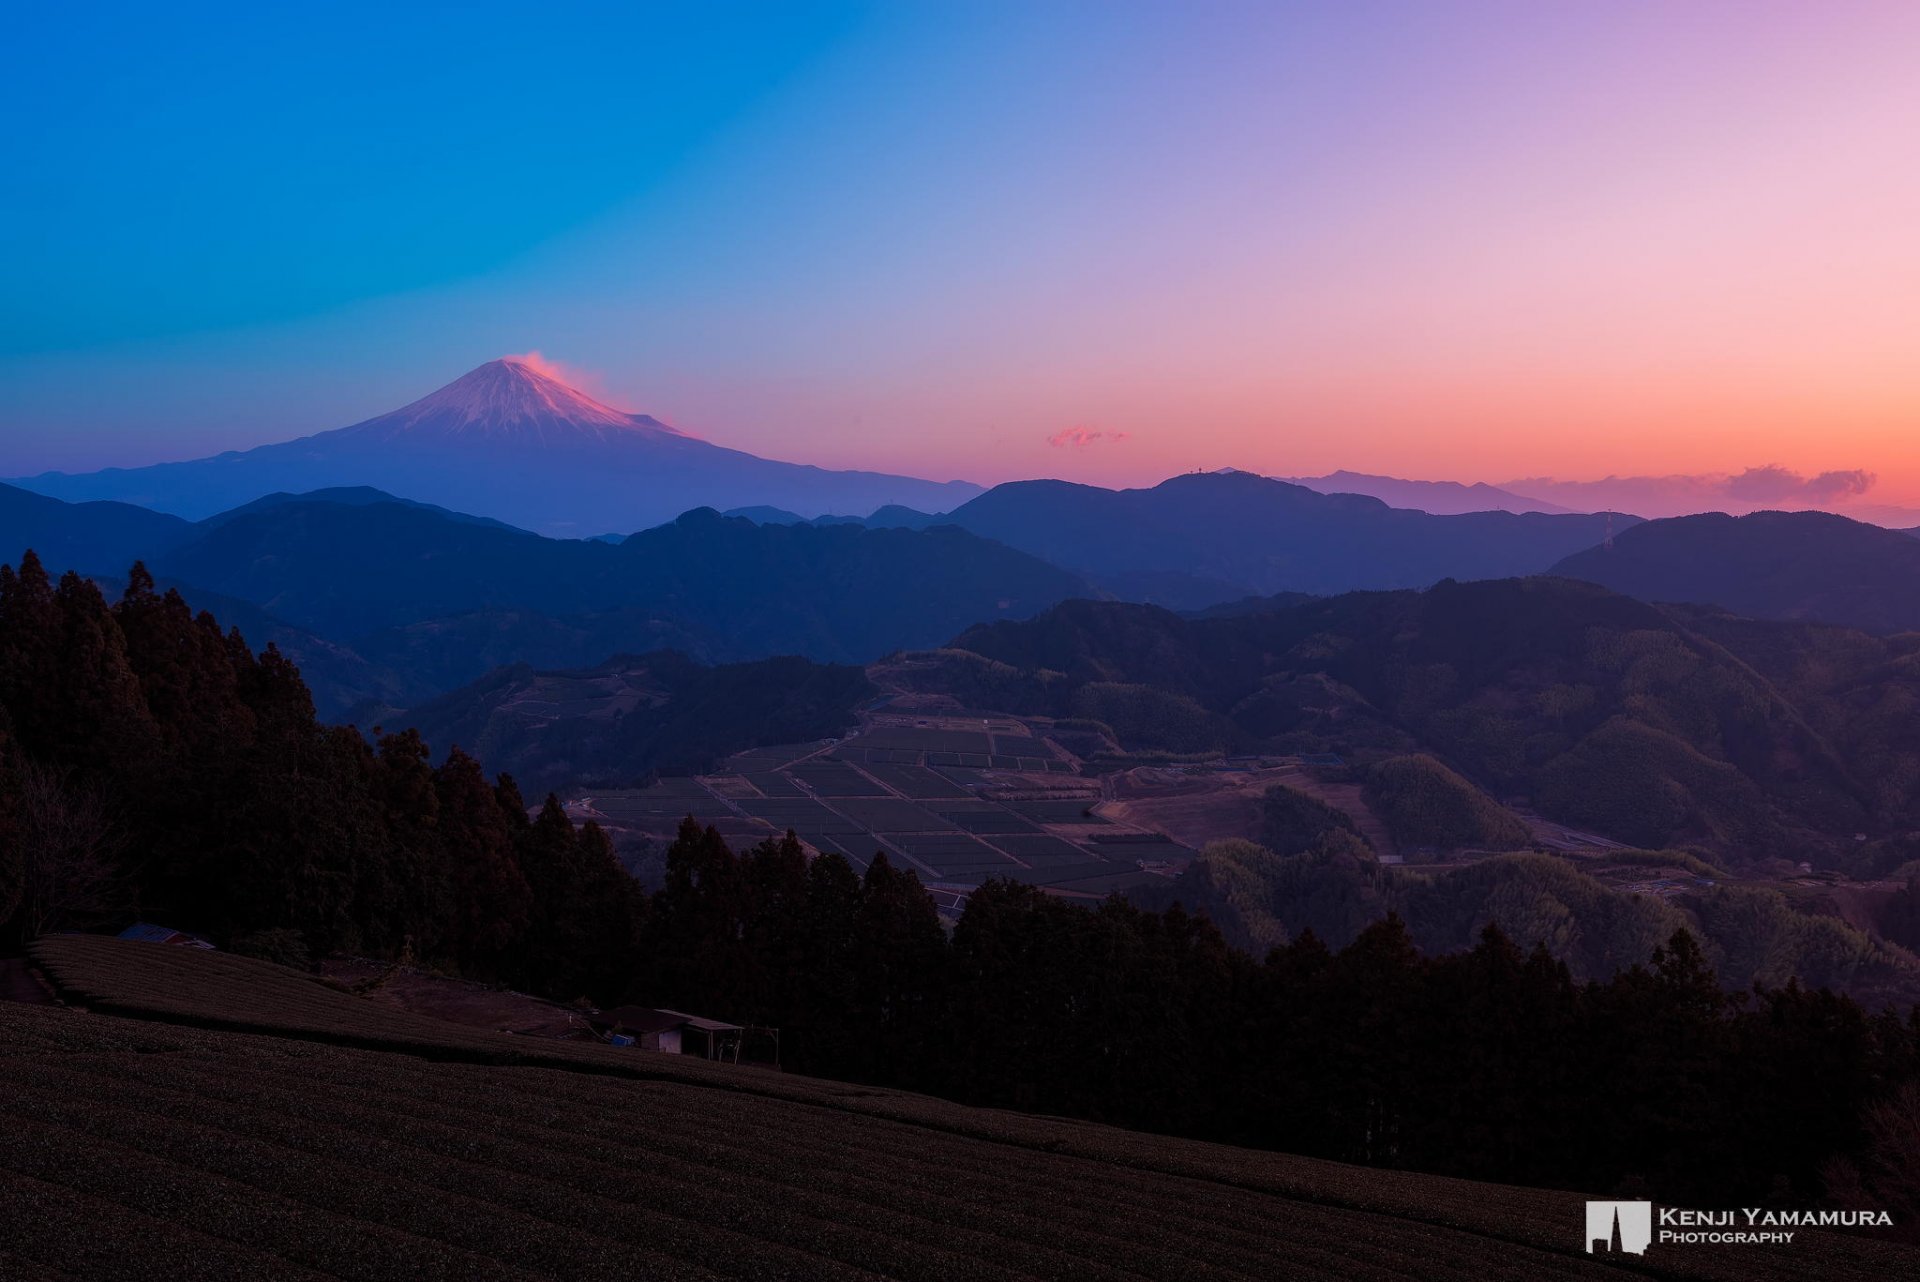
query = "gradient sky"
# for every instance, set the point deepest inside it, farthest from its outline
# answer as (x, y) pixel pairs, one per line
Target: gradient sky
(1110, 241)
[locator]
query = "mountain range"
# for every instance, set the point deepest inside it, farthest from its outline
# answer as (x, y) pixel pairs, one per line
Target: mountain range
(1767, 565)
(387, 603)
(1206, 537)
(1441, 498)
(507, 441)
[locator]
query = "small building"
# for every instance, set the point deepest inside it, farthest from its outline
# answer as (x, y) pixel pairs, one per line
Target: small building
(672, 1031)
(147, 933)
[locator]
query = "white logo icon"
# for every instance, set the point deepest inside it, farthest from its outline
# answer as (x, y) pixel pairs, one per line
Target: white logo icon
(1613, 1227)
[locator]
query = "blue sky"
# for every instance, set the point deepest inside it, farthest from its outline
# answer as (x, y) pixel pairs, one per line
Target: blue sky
(1481, 239)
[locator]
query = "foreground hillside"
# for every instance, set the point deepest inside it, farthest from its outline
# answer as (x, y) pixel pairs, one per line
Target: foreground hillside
(133, 1146)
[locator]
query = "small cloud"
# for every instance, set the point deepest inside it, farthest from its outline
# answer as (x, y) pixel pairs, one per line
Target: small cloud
(580, 380)
(1079, 438)
(1773, 483)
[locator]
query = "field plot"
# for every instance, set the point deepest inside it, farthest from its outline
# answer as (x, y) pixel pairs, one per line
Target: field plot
(1059, 810)
(925, 739)
(995, 820)
(857, 848)
(876, 756)
(775, 785)
(801, 815)
(1036, 848)
(130, 1148)
(890, 814)
(762, 760)
(1111, 883)
(966, 777)
(835, 779)
(915, 781)
(727, 786)
(952, 856)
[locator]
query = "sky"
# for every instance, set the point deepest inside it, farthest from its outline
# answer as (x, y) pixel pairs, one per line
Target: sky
(1108, 241)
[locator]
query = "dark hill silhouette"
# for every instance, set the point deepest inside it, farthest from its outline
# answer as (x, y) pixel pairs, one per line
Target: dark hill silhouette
(1241, 533)
(351, 496)
(441, 600)
(1770, 565)
(93, 538)
(507, 441)
(614, 721)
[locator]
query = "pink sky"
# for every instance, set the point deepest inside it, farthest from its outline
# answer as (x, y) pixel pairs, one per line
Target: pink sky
(1476, 241)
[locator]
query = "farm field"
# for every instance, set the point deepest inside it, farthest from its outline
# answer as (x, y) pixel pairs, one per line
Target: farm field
(135, 1146)
(958, 799)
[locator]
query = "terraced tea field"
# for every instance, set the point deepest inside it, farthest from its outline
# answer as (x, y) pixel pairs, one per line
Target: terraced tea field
(957, 799)
(154, 1146)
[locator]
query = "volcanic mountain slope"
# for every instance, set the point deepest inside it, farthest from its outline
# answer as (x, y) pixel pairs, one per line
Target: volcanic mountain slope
(507, 441)
(1768, 565)
(1207, 537)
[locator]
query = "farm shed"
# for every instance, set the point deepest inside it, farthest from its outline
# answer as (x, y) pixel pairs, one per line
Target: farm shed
(673, 1031)
(147, 933)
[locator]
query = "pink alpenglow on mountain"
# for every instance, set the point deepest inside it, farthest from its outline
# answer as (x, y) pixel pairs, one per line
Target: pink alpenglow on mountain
(509, 441)
(508, 399)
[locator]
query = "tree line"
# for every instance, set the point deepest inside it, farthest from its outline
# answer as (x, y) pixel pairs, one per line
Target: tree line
(153, 765)
(1489, 1063)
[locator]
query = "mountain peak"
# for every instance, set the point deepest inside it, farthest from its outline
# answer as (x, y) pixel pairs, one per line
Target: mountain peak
(508, 399)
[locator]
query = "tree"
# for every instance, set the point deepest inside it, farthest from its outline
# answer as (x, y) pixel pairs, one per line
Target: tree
(492, 901)
(68, 848)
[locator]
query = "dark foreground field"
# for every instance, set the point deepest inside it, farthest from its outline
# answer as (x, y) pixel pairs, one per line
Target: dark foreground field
(153, 1145)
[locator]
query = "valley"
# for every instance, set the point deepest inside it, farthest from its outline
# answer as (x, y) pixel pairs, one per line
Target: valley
(958, 799)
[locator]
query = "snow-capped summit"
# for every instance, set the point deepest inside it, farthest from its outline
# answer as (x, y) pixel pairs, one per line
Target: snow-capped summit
(504, 399)
(510, 441)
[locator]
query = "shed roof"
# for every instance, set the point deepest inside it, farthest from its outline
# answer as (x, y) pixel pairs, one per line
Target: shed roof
(645, 1019)
(149, 933)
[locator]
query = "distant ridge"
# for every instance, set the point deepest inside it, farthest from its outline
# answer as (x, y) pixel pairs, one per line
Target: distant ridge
(1204, 538)
(1766, 565)
(1438, 498)
(509, 442)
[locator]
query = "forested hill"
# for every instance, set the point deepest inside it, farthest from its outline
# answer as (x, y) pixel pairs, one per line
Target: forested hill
(844, 593)
(1227, 534)
(1606, 713)
(1769, 565)
(612, 723)
(151, 762)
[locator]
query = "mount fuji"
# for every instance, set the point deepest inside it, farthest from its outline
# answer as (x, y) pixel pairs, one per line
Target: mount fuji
(508, 441)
